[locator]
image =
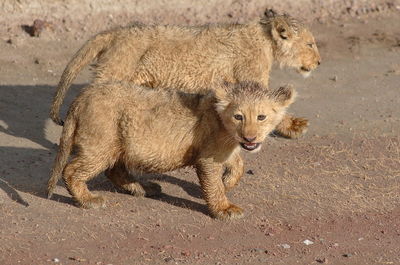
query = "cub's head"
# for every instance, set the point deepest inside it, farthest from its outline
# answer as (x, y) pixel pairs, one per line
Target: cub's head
(293, 43)
(249, 112)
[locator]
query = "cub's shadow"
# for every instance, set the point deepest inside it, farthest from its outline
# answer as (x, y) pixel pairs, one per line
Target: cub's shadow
(23, 114)
(25, 109)
(103, 184)
(27, 170)
(12, 193)
(189, 187)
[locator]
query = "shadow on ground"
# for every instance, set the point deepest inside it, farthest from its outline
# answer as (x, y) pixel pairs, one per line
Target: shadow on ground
(23, 113)
(25, 109)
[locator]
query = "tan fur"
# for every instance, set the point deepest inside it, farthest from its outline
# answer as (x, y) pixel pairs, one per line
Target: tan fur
(119, 127)
(192, 58)
(292, 127)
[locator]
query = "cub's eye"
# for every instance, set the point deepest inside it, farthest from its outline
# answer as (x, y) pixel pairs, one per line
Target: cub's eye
(261, 117)
(311, 45)
(238, 117)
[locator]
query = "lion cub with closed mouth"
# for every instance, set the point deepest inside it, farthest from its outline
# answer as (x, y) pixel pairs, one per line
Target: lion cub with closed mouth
(120, 127)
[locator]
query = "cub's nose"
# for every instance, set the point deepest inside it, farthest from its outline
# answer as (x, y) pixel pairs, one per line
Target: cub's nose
(249, 139)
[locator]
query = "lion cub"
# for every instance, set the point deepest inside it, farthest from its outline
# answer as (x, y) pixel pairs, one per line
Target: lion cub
(191, 58)
(119, 127)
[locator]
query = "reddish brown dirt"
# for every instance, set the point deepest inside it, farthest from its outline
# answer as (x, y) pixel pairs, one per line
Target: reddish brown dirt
(338, 186)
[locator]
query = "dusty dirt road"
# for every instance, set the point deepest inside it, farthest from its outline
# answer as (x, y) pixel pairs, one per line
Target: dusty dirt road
(338, 186)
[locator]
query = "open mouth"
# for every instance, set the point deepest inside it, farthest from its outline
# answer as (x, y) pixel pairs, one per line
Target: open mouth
(250, 146)
(305, 69)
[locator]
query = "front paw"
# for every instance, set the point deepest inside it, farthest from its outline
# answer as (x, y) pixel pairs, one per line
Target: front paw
(93, 202)
(229, 213)
(293, 127)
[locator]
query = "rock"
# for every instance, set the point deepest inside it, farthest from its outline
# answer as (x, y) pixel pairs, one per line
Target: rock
(185, 253)
(77, 259)
(322, 260)
(257, 250)
(169, 259)
(37, 27)
(285, 246)
(250, 172)
(308, 242)
(347, 255)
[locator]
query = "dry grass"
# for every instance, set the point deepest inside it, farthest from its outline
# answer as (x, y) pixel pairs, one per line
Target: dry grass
(327, 176)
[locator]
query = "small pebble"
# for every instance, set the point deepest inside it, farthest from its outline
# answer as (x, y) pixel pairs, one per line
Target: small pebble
(77, 259)
(56, 260)
(308, 242)
(250, 172)
(185, 253)
(347, 255)
(322, 260)
(169, 259)
(286, 246)
(256, 250)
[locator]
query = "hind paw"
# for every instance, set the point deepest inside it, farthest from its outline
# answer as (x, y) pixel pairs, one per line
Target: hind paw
(147, 189)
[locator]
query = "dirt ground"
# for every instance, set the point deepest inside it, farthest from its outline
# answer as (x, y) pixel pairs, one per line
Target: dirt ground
(337, 187)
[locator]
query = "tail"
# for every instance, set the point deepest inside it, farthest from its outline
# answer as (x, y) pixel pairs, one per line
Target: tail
(63, 153)
(83, 57)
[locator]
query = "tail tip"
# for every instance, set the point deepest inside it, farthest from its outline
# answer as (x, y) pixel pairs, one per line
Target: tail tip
(56, 119)
(59, 121)
(50, 193)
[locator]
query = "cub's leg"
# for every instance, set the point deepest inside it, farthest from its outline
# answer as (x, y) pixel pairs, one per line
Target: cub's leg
(210, 177)
(77, 173)
(119, 175)
(292, 127)
(234, 170)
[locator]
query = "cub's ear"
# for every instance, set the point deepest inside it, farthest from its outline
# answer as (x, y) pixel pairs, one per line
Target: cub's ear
(281, 25)
(281, 30)
(270, 13)
(283, 96)
(221, 93)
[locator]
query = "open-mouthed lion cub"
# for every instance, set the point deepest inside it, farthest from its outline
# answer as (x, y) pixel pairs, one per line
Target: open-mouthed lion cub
(190, 58)
(120, 127)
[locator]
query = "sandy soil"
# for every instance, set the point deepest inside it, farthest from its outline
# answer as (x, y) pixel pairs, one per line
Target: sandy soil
(338, 186)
